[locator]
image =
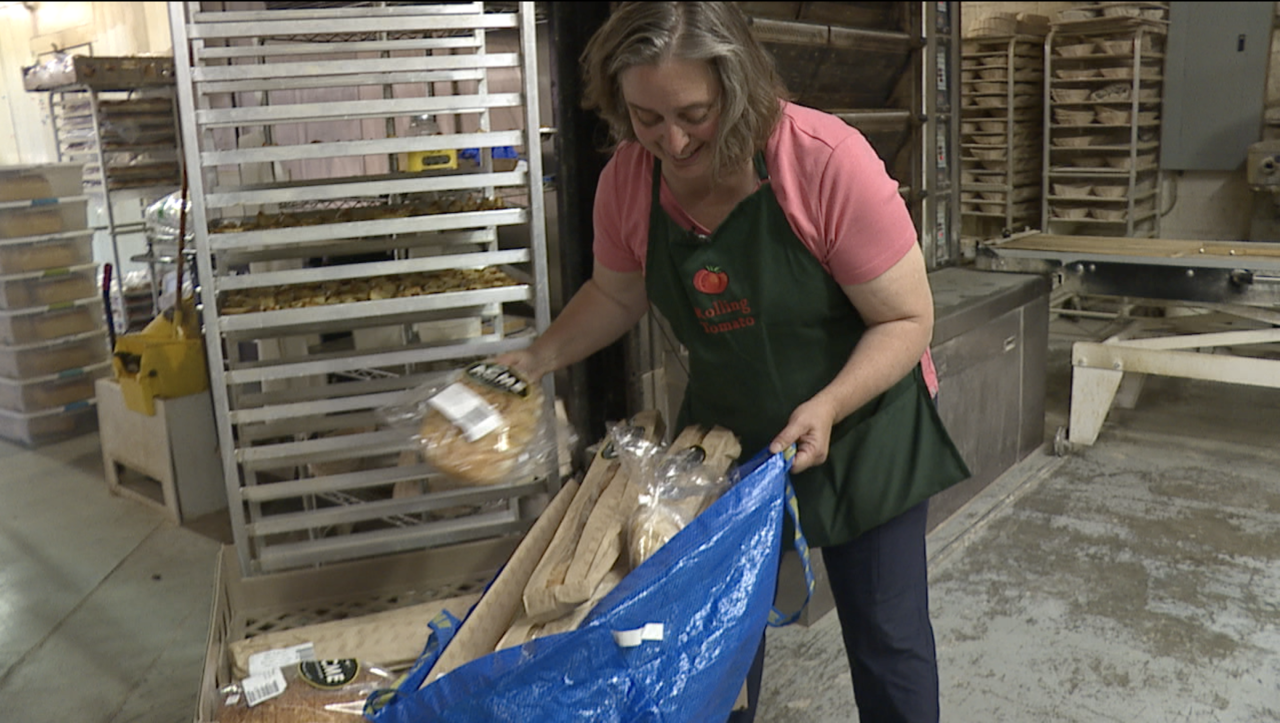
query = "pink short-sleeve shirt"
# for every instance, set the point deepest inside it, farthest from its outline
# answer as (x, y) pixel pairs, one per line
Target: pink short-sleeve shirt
(831, 185)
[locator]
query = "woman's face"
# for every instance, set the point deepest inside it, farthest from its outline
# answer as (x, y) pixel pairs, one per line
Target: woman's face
(675, 112)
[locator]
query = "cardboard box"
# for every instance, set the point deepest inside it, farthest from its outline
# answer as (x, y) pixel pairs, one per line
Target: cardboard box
(171, 456)
(245, 606)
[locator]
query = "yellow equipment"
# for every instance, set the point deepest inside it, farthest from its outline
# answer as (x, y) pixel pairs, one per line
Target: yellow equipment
(418, 161)
(433, 160)
(166, 359)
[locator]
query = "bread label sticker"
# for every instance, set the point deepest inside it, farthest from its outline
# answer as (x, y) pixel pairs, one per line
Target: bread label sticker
(259, 688)
(329, 674)
(500, 377)
(268, 660)
(467, 410)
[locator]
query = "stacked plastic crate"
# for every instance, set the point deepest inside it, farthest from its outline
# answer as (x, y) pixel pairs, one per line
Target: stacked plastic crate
(52, 327)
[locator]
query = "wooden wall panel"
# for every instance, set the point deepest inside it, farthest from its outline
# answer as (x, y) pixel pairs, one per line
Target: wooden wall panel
(25, 136)
(113, 28)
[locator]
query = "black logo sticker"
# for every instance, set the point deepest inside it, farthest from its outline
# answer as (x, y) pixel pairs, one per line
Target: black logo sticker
(329, 674)
(500, 377)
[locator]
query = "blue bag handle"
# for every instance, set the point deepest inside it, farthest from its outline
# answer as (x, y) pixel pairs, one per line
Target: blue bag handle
(777, 618)
(443, 627)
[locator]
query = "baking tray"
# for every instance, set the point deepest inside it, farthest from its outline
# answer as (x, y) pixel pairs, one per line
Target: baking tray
(99, 73)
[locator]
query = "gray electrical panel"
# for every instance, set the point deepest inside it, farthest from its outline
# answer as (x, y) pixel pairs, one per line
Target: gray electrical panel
(1215, 83)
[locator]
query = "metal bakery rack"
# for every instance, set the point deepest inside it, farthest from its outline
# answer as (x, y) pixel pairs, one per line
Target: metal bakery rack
(1003, 82)
(1104, 73)
(887, 69)
(117, 117)
(333, 278)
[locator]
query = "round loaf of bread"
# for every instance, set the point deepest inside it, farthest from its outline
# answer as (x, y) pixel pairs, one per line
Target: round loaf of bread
(495, 456)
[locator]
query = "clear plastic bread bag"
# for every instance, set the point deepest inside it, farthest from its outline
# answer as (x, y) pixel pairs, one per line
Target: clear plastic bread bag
(485, 424)
(317, 691)
(163, 219)
(678, 485)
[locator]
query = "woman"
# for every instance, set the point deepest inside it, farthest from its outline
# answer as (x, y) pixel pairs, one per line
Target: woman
(772, 239)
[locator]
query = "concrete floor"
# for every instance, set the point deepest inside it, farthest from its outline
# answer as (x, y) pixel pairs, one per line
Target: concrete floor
(1136, 580)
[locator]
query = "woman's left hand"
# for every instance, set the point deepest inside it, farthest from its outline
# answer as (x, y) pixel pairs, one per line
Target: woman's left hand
(809, 428)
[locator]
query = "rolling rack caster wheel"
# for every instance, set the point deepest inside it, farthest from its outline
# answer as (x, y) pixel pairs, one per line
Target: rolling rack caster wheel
(1061, 446)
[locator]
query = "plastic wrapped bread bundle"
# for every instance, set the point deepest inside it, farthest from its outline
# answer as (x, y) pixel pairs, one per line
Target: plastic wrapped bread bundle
(163, 219)
(678, 485)
(483, 425)
(585, 558)
(56, 71)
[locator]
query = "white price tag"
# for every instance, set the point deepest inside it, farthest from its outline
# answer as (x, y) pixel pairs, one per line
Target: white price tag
(258, 688)
(651, 632)
(467, 410)
(268, 660)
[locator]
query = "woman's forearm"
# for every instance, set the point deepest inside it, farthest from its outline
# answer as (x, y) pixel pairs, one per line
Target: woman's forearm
(886, 353)
(593, 319)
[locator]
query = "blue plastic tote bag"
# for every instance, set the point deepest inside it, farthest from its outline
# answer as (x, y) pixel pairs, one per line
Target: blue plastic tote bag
(670, 644)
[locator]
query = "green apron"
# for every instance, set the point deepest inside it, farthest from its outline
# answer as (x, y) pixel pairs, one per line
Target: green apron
(767, 328)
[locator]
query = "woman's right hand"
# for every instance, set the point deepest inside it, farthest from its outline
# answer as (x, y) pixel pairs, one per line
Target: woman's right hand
(522, 360)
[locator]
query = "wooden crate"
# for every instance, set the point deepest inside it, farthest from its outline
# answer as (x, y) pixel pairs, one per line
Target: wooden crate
(247, 606)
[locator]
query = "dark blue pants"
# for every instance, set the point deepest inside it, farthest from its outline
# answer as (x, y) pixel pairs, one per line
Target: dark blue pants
(880, 585)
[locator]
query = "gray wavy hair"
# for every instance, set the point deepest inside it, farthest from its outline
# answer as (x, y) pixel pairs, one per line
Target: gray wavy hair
(647, 33)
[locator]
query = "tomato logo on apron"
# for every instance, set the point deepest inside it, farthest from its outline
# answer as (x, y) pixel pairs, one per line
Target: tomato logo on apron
(711, 280)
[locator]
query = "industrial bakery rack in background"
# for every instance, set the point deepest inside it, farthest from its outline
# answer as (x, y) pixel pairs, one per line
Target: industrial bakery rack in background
(885, 69)
(117, 117)
(1002, 84)
(361, 228)
(1104, 70)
